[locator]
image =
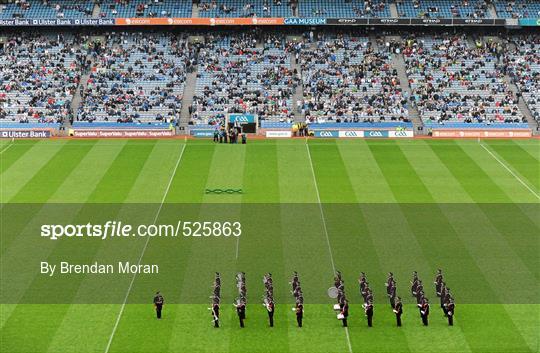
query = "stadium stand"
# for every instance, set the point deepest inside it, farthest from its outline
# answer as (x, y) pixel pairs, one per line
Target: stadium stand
(343, 8)
(455, 84)
(517, 8)
(38, 76)
(239, 75)
(523, 64)
(139, 77)
(241, 8)
(346, 80)
(443, 8)
(156, 8)
(46, 9)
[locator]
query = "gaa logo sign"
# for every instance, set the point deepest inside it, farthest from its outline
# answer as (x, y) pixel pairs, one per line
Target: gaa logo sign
(376, 133)
(326, 133)
(351, 133)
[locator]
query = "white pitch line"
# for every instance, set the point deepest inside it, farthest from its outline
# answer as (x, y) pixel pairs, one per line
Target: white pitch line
(6, 148)
(144, 250)
(325, 231)
(511, 172)
(321, 209)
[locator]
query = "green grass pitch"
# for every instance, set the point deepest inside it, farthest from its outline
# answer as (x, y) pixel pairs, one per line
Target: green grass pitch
(468, 207)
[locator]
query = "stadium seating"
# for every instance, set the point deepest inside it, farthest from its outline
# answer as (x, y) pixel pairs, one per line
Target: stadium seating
(517, 8)
(524, 68)
(241, 8)
(443, 8)
(160, 8)
(345, 80)
(343, 8)
(139, 78)
(38, 77)
(237, 75)
(452, 82)
(53, 9)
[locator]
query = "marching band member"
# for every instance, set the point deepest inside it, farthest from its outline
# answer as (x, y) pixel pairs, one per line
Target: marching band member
(438, 282)
(270, 308)
(368, 308)
(215, 312)
(241, 311)
(414, 283)
(450, 306)
(299, 312)
(424, 310)
(398, 310)
(345, 312)
(158, 304)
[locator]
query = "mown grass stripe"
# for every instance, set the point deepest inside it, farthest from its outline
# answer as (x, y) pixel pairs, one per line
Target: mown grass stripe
(190, 181)
(293, 172)
(123, 173)
(506, 218)
(80, 183)
(10, 156)
(366, 178)
(154, 176)
(403, 180)
(482, 176)
(520, 161)
(51, 176)
(123, 170)
(26, 166)
(532, 147)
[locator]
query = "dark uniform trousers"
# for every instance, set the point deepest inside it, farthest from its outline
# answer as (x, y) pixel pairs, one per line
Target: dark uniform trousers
(271, 318)
(399, 308)
(241, 316)
(299, 317)
(158, 310)
(424, 314)
(369, 314)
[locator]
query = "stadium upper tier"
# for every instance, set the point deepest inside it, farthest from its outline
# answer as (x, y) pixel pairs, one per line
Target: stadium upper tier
(327, 78)
(444, 8)
(73, 9)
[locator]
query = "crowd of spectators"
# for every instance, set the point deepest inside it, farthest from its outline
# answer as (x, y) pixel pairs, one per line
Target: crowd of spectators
(443, 8)
(39, 75)
(344, 8)
(237, 74)
(523, 63)
(453, 80)
(518, 8)
(346, 80)
(47, 9)
(137, 77)
(140, 77)
(240, 8)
